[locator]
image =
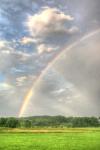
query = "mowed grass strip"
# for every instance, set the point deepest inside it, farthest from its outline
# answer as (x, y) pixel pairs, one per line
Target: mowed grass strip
(72, 140)
(48, 130)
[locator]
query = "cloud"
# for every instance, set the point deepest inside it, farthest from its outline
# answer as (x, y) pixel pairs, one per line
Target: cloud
(21, 80)
(50, 27)
(80, 66)
(48, 21)
(54, 95)
(27, 40)
(45, 48)
(5, 86)
(2, 44)
(73, 30)
(59, 91)
(5, 45)
(50, 30)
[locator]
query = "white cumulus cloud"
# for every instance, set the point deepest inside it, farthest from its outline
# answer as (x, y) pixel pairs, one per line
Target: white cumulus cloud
(49, 27)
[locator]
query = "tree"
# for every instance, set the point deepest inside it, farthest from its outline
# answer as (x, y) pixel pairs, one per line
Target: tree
(27, 124)
(12, 122)
(3, 122)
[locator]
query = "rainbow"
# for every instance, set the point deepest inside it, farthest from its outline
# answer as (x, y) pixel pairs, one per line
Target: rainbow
(31, 91)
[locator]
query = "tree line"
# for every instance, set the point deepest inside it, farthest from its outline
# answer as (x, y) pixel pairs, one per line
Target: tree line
(49, 121)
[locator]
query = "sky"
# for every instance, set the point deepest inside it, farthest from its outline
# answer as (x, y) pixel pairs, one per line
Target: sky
(34, 40)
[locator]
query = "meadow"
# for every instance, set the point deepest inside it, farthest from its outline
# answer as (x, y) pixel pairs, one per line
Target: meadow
(50, 139)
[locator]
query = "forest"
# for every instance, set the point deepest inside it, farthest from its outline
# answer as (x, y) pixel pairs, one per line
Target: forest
(49, 121)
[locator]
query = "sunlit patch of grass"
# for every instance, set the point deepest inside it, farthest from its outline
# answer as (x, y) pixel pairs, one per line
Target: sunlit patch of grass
(50, 139)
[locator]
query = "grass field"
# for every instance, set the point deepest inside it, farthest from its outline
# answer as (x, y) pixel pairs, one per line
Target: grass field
(50, 139)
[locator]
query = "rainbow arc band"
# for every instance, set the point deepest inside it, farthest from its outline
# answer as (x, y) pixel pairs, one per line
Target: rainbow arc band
(30, 93)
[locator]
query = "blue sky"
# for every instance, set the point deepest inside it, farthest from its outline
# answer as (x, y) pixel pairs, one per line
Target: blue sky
(32, 33)
(2, 78)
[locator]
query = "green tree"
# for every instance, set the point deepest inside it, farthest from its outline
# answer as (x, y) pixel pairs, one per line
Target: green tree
(27, 123)
(12, 123)
(3, 122)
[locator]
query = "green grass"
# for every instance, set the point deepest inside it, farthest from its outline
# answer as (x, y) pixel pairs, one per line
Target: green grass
(51, 139)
